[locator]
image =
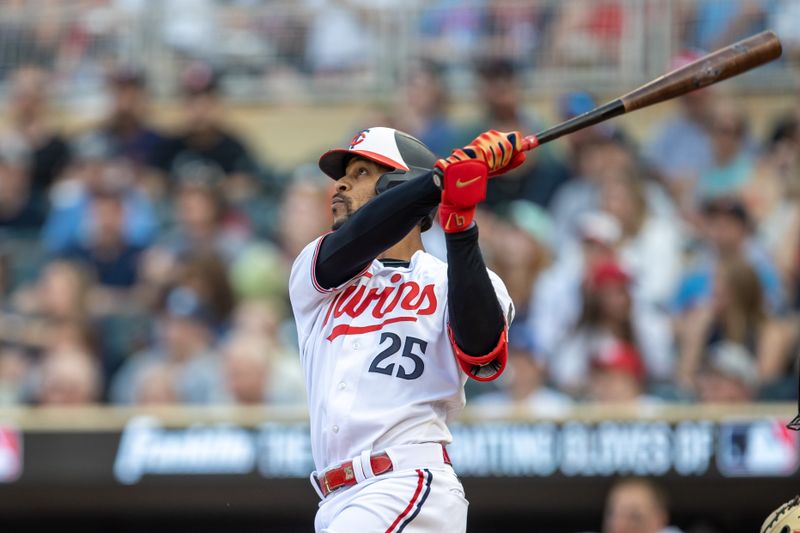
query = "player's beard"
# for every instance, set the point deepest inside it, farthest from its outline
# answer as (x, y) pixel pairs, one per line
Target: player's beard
(348, 212)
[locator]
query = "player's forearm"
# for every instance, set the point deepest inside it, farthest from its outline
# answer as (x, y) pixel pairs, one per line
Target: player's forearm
(378, 225)
(475, 315)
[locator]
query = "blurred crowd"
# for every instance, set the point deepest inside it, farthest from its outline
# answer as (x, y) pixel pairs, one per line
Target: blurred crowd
(140, 266)
(283, 49)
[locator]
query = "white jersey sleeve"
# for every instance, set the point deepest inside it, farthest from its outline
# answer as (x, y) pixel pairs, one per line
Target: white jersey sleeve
(305, 293)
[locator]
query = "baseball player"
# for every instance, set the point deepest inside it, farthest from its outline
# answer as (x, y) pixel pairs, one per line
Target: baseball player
(388, 333)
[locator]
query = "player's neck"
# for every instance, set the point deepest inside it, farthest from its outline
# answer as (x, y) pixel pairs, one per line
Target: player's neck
(406, 248)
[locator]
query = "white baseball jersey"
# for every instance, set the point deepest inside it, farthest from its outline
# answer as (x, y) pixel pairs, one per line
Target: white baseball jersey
(379, 367)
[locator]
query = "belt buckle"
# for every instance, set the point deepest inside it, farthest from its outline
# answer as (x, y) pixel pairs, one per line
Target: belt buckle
(348, 476)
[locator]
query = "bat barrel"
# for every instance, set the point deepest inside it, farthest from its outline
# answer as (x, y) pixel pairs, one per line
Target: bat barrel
(717, 66)
(720, 65)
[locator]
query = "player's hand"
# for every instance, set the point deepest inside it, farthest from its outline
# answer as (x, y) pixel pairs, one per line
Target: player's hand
(501, 151)
(463, 188)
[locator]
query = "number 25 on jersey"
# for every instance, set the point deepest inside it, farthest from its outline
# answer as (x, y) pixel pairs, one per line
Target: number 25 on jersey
(402, 369)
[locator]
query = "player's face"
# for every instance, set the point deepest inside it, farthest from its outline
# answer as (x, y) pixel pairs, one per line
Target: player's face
(354, 189)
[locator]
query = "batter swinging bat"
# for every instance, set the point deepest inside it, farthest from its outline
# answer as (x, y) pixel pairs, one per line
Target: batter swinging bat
(709, 69)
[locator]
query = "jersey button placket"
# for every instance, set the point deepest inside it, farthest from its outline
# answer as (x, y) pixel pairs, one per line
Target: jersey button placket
(341, 391)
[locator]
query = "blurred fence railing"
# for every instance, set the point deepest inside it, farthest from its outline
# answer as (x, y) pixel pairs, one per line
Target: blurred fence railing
(322, 50)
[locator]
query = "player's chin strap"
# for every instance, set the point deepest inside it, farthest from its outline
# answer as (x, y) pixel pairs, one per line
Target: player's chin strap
(795, 424)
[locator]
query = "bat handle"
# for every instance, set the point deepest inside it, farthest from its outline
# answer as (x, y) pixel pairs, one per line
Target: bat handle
(529, 142)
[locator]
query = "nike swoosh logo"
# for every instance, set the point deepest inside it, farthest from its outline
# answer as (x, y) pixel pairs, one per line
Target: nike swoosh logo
(460, 183)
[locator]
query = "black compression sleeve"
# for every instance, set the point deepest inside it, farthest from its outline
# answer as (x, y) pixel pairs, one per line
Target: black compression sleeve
(475, 315)
(379, 224)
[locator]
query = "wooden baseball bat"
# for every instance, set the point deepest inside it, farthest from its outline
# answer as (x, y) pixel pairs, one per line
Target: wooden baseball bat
(709, 69)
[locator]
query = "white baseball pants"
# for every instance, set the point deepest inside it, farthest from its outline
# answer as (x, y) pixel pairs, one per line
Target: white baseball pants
(426, 500)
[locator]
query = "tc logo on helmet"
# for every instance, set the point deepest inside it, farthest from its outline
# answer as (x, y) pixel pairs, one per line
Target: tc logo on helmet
(358, 138)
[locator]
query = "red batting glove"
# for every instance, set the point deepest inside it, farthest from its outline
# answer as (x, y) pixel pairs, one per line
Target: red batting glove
(502, 151)
(463, 187)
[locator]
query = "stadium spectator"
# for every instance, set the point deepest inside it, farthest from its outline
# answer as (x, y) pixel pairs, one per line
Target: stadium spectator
(519, 249)
(515, 30)
(728, 374)
(727, 234)
(423, 111)
(732, 160)
(255, 372)
(189, 27)
(603, 159)
(736, 312)
(340, 41)
(126, 127)
(72, 334)
(260, 273)
(679, 148)
(305, 211)
(207, 275)
(259, 319)
(748, 281)
(524, 383)
(157, 385)
(772, 196)
(62, 292)
(499, 95)
(617, 375)
(555, 304)
(29, 125)
(596, 29)
(69, 222)
(204, 222)
(637, 505)
(609, 314)
(68, 378)
(570, 105)
(184, 342)
(107, 252)
(651, 245)
(712, 24)
(247, 370)
(204, 136)
(450, 31)
(60, 296)
(14, 370)
(21, 209)
(268, 319)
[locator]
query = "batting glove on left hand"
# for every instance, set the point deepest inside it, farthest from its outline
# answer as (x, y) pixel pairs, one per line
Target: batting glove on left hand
(501, 151)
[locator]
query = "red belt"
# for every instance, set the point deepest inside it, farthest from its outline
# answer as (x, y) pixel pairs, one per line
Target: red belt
(343, 475)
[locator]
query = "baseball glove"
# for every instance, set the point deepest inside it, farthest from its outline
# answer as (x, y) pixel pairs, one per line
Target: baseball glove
(784, 519)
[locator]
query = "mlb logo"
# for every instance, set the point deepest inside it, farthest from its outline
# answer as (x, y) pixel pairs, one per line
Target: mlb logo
(10, 454)
(760, 448)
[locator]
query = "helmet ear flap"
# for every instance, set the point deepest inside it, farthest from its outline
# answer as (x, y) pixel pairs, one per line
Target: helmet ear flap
(389, 180)
(396, 177)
